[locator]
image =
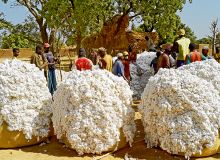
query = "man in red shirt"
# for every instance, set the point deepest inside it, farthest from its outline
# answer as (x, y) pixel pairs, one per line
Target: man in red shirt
(83, 63)
(126, 63)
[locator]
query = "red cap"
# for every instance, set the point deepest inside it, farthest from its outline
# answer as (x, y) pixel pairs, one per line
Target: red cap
(46, 45)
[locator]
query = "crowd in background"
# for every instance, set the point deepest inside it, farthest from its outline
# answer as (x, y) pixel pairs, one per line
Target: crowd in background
(182, 52)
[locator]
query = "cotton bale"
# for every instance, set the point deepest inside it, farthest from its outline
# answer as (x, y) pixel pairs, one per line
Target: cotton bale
(181, 110)
(25, 110)
(92, 112)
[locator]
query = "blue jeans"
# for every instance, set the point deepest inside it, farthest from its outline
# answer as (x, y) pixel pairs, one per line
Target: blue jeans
(52, 83)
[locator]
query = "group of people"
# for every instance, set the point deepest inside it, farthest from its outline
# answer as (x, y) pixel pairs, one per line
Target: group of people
(119, 67)
(43, 59)
(182, 52)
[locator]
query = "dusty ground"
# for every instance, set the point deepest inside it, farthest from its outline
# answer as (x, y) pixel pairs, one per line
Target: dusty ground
(56, 151)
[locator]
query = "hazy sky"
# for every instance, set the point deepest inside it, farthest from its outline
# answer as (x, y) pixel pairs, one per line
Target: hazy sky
(197, 15)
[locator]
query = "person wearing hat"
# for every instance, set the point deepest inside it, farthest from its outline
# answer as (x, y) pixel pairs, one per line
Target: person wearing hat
(205, 51)
(194, 55)
(126, 63)
(83, 63)
(183, 47)
(118, 67)
(105, 60)
(51, 75)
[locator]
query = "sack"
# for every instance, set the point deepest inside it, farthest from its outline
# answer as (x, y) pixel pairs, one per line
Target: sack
(14, 139)
(208, 151)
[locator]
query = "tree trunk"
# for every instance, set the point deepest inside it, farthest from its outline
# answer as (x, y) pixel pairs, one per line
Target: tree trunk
(52, 41)
(78, 41)
(43, 30)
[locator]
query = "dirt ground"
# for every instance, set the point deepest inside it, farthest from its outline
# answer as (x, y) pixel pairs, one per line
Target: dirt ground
(56, 151)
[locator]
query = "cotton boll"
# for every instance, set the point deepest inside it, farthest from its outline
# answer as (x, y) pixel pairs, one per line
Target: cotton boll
(60, 73)
(181, 108)
(24, 99)
(139, 80)
(91, 108)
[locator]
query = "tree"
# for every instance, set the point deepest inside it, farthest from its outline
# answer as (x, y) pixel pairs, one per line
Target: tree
(189, 33)
(25, 35)
(205, 40)
(80, 18)
(214, 32)
(38, 9)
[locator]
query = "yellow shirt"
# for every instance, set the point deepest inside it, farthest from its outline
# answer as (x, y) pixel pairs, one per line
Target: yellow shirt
(108, 59)
(37, 60)
(183, 48)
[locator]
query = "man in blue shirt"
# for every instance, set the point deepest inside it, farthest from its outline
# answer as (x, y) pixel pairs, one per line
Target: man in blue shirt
(118, 67)
(52, 83)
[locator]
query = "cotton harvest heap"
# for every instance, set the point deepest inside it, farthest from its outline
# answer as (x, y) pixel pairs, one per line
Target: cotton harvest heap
(140, 73)
(25, 110)
(181, 109)
(92, 112)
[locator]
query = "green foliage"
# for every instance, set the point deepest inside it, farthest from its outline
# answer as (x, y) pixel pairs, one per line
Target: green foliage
(24, 35)
(206, 40)
(189, 33)
(74, 19)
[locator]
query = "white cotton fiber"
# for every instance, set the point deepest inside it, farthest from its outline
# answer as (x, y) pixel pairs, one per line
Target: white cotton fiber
(141, 72)
(90, 108)
(181, 108)
(24, 99)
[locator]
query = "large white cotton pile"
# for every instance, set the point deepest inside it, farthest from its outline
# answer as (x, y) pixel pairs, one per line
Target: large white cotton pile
(208, 70)
(90, 108)
(24, 98)
(141, 72)
(61, 75)
(181, 108)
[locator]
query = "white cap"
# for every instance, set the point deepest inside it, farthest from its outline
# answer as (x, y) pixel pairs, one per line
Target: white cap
(205, 47)
(120, 55)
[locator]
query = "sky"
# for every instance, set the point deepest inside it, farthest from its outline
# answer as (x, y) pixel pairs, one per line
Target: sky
(197, 15)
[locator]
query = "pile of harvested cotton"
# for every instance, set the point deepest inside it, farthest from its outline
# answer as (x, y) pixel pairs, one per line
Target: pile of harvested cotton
(24, 99)
(181, 110)
(140, 73)
(61, 75)
(91, 109)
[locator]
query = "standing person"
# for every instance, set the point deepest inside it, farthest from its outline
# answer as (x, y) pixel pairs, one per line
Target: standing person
(52, 83)
(105, 61)
(126, 63)
(93, 56)
(194, 55)
(183, 47)
(164, 59)
(133, 54)
(118, 67)
(37, 58)
(154, 62)
(150, 44)
(16, 53)
(205, 51)
(83, 63)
